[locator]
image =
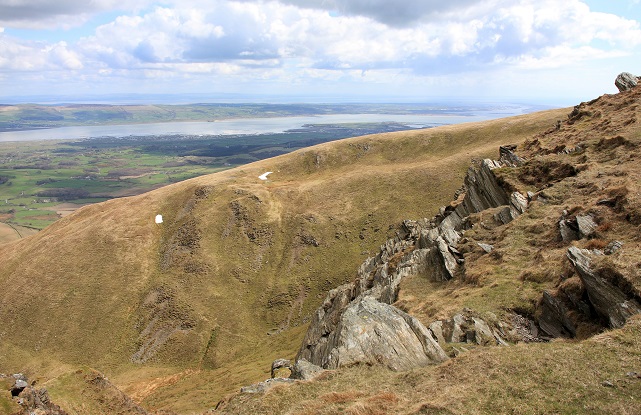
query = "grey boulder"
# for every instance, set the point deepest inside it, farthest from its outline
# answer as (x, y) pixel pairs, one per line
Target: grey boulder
(626, 81)
(372, 332)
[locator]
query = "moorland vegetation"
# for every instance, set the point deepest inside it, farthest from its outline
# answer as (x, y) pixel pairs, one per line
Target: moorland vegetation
(114, 313)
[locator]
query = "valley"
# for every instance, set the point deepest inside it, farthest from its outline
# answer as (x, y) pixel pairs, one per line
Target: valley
(40, 181)
(113, 312)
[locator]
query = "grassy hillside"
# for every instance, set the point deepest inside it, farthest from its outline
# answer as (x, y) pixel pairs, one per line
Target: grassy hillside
(181, 313)
(587, 165)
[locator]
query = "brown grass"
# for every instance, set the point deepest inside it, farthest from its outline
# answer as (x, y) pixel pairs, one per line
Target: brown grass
(596, 244)
(593, 173)
(340, 397)
(11, 233)
(559, 377)
(104, 260)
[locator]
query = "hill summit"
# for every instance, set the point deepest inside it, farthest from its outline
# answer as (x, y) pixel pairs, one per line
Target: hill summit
(515, 273)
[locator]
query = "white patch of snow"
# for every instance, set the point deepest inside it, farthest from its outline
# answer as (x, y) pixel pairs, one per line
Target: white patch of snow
(264, 175)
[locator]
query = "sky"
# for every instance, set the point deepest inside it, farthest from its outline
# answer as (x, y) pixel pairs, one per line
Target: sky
(555, 52)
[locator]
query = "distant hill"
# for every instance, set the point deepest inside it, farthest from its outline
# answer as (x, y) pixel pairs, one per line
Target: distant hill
(180, 314)
(34, 116)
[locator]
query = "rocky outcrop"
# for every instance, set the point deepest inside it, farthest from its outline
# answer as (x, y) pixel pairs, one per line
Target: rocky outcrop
(464, 327)
(281, 368)
(372, 332)
(609, 300)
(587, 226)
(597, 296)
(626, 81)
(573, 228)
(32, 400)
(357, 323)
(554, 317)
(303, 370)
(612, 247)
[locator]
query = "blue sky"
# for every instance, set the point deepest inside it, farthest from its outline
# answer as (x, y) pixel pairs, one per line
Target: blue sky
(557, 52)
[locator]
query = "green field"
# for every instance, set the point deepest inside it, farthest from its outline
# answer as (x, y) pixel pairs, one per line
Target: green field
(41, 181)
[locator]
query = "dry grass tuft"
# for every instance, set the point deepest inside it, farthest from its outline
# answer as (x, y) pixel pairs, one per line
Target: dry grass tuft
(341, 397)
(596, 244)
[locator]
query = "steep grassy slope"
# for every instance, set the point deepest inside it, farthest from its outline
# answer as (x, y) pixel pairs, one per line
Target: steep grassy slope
(585, 166)
(180, 313)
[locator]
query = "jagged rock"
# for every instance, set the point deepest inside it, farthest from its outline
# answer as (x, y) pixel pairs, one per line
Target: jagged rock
(463, 328)
(483, 336)
(612, 247)
(504, 215)
(486, 247)
(33, 401)
(19, 376)
(437, 330)
(440, 260)
(18, 386)
(569, 230)
(457, 332)
(279, 366)
(626, 81)
(483, 190)
(261, 387)
(508, 157)
(519, 203)
(608, 300)
(499, 338)
(375, 333)
(587, 226)
(341, 329)
(304, 370)
(553, 318)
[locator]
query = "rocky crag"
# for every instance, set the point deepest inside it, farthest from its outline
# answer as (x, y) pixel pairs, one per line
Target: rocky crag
(359, 322)
(19, 396)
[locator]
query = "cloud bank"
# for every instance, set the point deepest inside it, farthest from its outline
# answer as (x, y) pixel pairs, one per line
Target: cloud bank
(300, 42)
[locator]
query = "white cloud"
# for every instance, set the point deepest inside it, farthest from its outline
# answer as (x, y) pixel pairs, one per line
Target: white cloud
(19, 55)
(48, 14)
(293, 42)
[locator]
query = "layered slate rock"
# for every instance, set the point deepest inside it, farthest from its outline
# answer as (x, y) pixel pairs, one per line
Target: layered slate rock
(626, 81)
(553, 319)
(32, 400)
(464, 327)
(304, 370)
(372, 332)
(357, 323)
(610, 301)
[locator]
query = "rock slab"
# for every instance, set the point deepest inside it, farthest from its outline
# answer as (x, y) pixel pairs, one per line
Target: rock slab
(372, 332)
(626, 81)
(608, 300)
